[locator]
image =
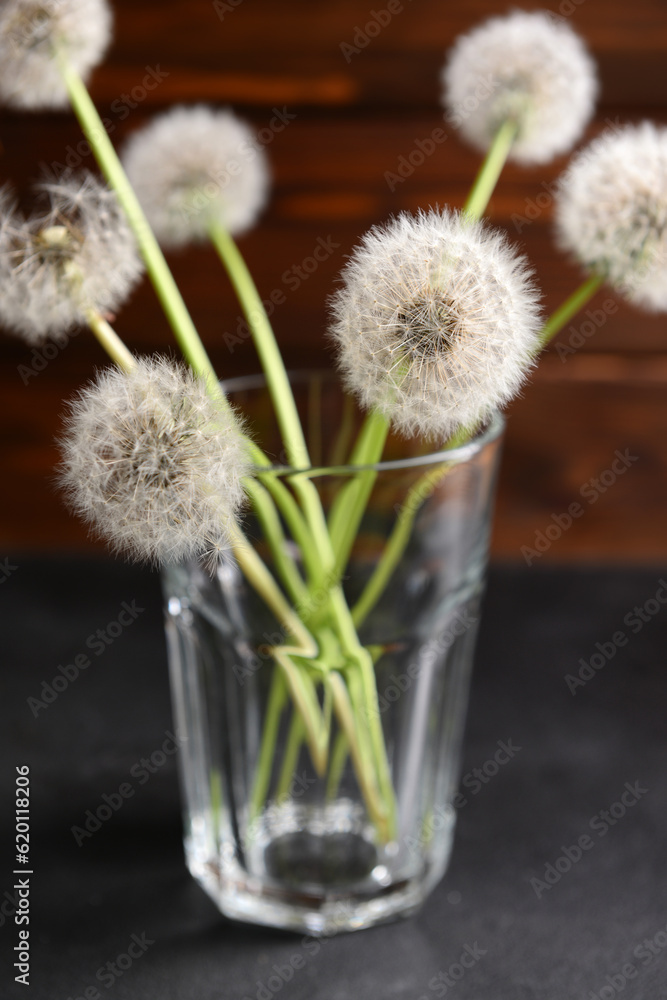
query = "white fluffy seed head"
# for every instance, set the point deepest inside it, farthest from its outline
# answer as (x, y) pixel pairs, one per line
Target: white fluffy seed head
(153, 464)
(76, 255)
(195, 166)
(30, 32)
(436, 322)
(611, 212)
(530, 67)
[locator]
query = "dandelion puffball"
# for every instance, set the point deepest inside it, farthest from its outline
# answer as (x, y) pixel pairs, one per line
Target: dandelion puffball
(153, 464)
(79, 254)
(31, 31)
(193, 167)
(611, 212)
(529, 67)
(436, 322)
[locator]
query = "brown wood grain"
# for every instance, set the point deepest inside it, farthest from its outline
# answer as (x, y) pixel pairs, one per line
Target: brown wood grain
(356, 121)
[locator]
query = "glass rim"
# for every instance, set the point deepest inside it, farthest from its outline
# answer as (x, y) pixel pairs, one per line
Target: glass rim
(462, 453)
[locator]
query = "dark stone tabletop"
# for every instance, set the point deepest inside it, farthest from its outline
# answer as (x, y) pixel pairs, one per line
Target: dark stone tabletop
(557, 886)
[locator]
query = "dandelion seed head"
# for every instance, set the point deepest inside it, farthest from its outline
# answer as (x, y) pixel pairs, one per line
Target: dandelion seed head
(436, 322)
(32, 30)
(611, 212)
(195, 166)
(153, 464)
(530, 67)
(78, 254)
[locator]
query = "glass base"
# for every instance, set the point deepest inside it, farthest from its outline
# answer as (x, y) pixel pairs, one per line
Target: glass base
(317, 871)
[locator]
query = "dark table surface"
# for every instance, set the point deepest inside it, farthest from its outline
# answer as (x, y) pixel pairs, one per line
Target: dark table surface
(558, 876)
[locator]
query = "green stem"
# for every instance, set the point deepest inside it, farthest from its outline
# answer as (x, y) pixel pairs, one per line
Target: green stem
(293, 516)
(348, 637)
(351, 501)
(278, 384)
(298, 457)
(396, 543)
(490, 171)
(267, 516)
(259, 576)
(162, 278)
(349, 725)
(371, 709)
(400, 533)
(266, 346)
(344, 433)
(304, 695)
(290, 756)
(569, 308)
(301, 686)
(337, 762)
(110, 340)
(274, 710)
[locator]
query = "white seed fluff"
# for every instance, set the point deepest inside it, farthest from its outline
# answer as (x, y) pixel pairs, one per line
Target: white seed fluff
(153, 464)
(10, 221)
(195, 166)
(530, 67)
(30, 32)
(77, 255)
(611, 211)
(436, 322)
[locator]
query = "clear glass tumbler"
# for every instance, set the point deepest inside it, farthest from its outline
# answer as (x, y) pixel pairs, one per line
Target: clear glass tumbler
(271, 837)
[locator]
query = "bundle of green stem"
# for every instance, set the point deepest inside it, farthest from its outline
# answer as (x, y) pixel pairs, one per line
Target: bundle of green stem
(322, 674)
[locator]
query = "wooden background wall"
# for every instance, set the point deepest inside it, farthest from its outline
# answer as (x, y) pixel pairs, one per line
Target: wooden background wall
(351, 120)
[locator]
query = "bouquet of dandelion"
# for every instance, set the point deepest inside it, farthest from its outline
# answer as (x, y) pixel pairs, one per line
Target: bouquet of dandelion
(436, 324)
